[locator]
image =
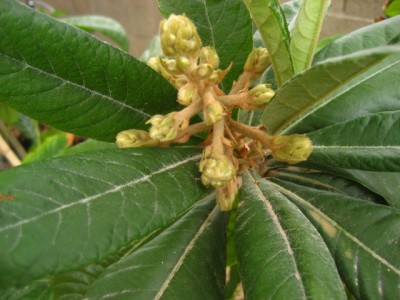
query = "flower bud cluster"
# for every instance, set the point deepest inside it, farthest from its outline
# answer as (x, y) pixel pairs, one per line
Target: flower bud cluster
(230, 147)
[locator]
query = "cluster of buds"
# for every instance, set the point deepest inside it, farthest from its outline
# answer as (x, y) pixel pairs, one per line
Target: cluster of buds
(230, 146)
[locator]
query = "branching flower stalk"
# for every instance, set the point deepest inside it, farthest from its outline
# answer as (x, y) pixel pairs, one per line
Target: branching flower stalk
(231, 146)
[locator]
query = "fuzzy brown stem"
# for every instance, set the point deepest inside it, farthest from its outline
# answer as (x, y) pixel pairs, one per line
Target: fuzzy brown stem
(252, 132)
(242, 82)
(191, 110)
(236, 100)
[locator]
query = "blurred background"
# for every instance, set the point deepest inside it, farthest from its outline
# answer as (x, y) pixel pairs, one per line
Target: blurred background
(140, 18)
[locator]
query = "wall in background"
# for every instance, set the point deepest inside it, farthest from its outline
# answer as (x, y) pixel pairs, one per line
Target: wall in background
(141, 18)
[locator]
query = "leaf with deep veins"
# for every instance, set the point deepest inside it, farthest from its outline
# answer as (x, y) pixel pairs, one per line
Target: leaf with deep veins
(363, 237)
(311, 89)
(161, 268)
(66, 77)
(281, 255)
(368, 143)
(81, 209)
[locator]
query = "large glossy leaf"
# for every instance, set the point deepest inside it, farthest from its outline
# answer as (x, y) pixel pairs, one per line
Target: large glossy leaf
(81, 209)
(369, 143)
(64, 76)
(324, 181)
(281, 255)
(271, 23)
(363, 237)
(306, 33)
(376, 90)
(168, 266)
(312, 89)
(223, 24)
(107, 26)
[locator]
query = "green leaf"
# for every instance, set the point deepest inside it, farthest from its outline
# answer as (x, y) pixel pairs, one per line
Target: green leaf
(185, 259)
(67, 78)
(379, 34)
(393, 9)
(382, 183)
(327, 40)
(281, 255)
(104, 25)
(363, 237)
(88, 145)
(312, 89)
(222, 24)
(29, 128)
(291, 10)
(306, 33)
(270, 21)
(7, 114)
(367, 143)
(360, 97)
(81, 209)
(51, 146)
(324, 181)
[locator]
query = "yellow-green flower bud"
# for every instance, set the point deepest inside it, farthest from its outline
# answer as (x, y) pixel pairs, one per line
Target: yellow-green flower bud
(208, 55)
(135, 138)
(257, 62)
(216, 171)
(291, 148)
(179, 36)
(213, 112)
(183, 63)
(164, 128)
(204, 71)
(188, 93)
(261, 94)
(170, 66)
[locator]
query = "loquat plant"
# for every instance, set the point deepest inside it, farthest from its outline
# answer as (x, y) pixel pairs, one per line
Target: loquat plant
(230, 161)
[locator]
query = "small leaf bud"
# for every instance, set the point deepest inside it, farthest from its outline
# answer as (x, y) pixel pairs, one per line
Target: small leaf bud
(291, 148)
(213, 112)
(216, 171)
(187, 94)
(135, 138)
(208, 55)
(261, 94)
(257, 62)
(179, 36)
(226, 195)
(158, 65)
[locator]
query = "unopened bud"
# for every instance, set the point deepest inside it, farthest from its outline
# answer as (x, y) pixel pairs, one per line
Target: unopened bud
(291, 148)
(169, 65)
(216, 171)
(164, 128)
(187, 94)
(182, 63)
(179, 36)
(204, 71)
(257, 62)
(213, 112)
(208, 55)
(261, 94)
(135, 138)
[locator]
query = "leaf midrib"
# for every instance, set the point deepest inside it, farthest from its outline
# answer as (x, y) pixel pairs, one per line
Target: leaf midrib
(96, 196)
(338, 227)
(25, 66)
(281, 231)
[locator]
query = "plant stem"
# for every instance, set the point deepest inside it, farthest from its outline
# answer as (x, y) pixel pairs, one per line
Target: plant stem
(8, 153)
(191, 110)
(196, 128)
(242, 82)
(252, 132)
(237, 99)
(218, 135)
(12, 140)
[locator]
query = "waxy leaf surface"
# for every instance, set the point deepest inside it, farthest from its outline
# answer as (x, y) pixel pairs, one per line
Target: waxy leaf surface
(65, 77)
